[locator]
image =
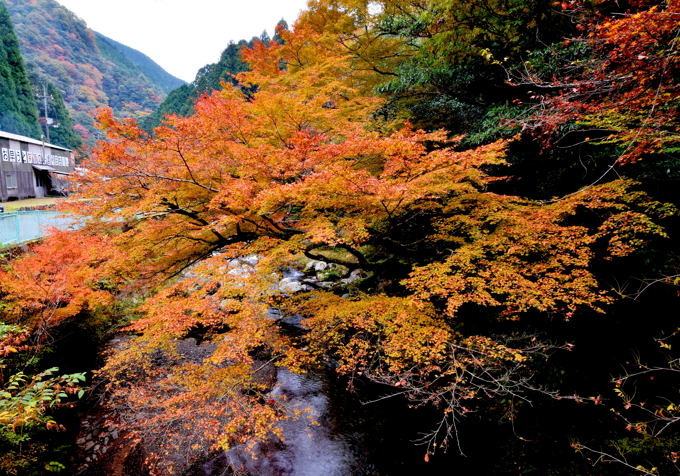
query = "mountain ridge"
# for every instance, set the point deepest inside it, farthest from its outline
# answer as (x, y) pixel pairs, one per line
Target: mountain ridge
(90, 70)
(146, 64)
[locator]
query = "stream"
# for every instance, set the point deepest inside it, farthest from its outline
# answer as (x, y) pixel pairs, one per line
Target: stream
(309, 447)
(328, 432)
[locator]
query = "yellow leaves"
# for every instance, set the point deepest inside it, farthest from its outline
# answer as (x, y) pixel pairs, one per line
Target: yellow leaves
(496, 262)
(520, 256)
(317, 80)
(628, 232)
(491, 351)
(374, 333)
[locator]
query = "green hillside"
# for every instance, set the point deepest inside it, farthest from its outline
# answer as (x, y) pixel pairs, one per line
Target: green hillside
(139, 60)
(181, 100)
(18, 113)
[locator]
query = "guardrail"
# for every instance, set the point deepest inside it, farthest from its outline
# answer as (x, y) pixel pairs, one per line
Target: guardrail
(21, 227)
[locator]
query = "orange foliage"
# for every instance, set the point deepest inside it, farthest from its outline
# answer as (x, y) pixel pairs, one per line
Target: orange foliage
(298, 171)
(57, 279)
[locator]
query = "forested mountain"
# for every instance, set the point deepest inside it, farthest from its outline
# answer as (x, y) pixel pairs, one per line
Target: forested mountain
(18, 113)
(209, 78)
(60, 127)
(181, 100)
(21, 88)
(88, 69)
(137, 59)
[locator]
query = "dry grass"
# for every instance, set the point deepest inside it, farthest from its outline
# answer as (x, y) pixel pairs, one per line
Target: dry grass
(30, 202)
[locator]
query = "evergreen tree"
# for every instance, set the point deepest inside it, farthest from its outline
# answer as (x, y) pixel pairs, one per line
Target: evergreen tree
(264, 37)
(282, 25)
(18, 113)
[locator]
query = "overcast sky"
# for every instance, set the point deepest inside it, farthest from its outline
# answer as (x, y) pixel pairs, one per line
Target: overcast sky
(183, 35)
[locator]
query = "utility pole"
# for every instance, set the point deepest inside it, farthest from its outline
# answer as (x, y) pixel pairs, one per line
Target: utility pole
(42, 138)
(47, 116)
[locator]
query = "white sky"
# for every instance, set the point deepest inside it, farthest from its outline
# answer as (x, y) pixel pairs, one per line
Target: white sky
(183, 35)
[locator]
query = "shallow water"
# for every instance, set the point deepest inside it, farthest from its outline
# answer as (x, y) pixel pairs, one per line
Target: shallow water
(308, 447)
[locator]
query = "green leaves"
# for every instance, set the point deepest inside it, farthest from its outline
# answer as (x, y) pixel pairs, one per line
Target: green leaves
(18, 113)
(25, 400)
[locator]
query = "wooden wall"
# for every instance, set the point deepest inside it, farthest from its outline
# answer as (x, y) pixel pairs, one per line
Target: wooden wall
(20, 167)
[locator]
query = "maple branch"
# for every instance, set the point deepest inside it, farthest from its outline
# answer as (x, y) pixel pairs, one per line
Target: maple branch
(287, 231)
(240, 237)
(609, 458)
(179, 236)
(174, 208)
(363, 262)
(170, 179)
(655, 281)
(181, 155)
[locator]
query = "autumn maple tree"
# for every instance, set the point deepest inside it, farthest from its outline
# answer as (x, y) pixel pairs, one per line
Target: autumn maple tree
(622, 86)
(295, 167)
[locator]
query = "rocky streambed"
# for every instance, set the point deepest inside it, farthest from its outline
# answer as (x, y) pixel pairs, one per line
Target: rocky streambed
(311, 444)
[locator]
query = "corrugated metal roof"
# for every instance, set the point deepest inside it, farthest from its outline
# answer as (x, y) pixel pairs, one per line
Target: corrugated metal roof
(9, 135)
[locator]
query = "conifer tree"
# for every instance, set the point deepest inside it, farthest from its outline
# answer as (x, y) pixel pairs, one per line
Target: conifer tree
(18, 113)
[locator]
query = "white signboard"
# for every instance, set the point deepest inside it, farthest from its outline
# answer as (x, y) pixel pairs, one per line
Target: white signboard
(22, 156)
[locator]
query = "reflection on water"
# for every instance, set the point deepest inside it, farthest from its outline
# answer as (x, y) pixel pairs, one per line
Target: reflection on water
(308, 448)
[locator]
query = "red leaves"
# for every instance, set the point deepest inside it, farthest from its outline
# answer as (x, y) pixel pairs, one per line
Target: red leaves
(627, 86)
(57, 279)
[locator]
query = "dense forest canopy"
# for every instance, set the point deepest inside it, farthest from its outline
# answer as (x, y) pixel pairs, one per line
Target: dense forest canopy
(488, 191)
(18, 113)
